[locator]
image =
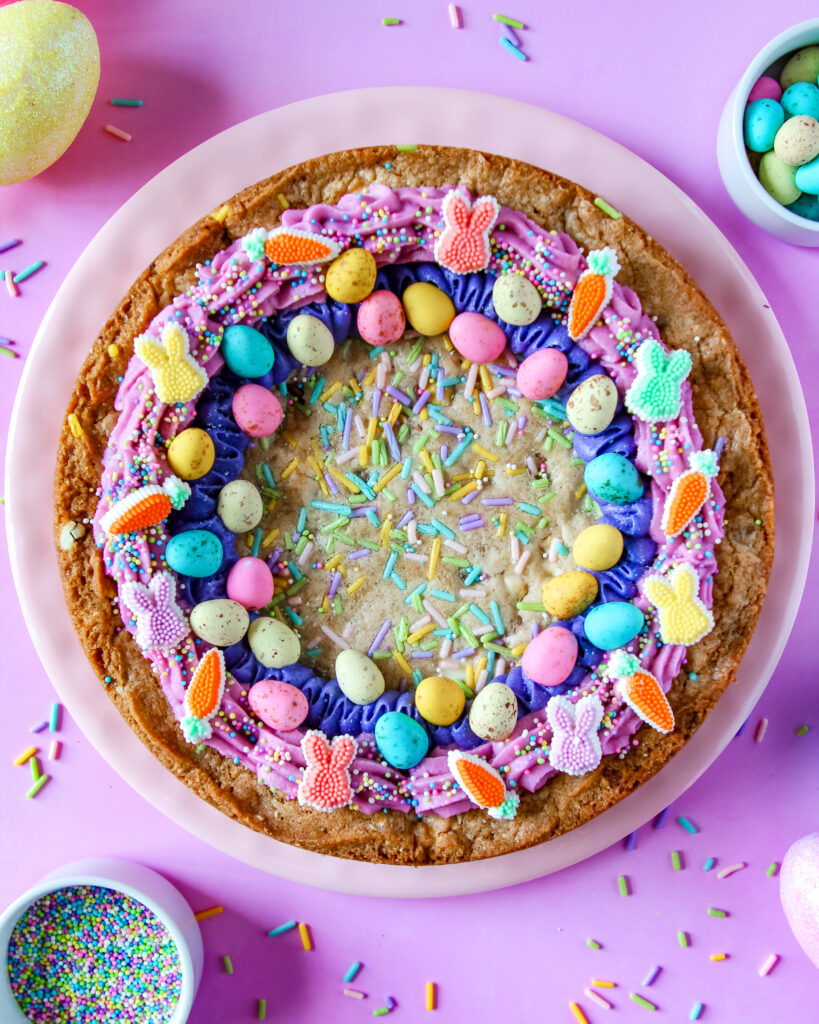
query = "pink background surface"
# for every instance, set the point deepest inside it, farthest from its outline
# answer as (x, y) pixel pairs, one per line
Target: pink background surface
(657, 85)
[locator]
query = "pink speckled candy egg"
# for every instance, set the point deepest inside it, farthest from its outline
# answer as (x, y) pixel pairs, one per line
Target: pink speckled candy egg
(541, 374)
(799, 892)
(250, 582)
(280, 705)
(476, 337)
(765, 88)
(550, 658)
(381, 319)
(256, 410)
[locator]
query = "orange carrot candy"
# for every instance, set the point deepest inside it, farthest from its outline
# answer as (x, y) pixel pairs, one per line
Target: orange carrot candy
(483, 784)
(641, 691)
(285, 246)
(689, 492)
(204, 695)
(146, 506)
(593, 291)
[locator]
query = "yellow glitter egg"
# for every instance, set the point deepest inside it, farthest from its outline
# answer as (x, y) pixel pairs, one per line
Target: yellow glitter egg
(439, 700)
(49, 72)
(351, 276)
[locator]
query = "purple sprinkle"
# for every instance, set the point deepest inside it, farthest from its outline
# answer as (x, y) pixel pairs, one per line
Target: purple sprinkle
(444, 452)
(334, 585)
(348, 426)
(390, 1003)
(392, 443)
(534, 629)
(469, 518)
(467, 652)
(10, 244)
(274, 557)
(465, 500)
(439, 388)
(331, 483)
(514, 392)
(474, 524)
(39, 727)
(405, 518)
(743, 727)
(399, 396)
(486, 415)
(502, 371)
(422, 401)
(522, 421)
(448, 428)
(410, 496)
(418, 655)
(510, 32)
(631, 842)
(497, 501)
(379, 636)
(377, 396)
(360, 553)
(720, 446)
(661, 817)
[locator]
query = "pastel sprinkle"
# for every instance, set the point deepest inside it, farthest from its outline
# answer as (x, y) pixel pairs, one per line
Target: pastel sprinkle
(802, 730)
(13, 290)
(579, 1016)
(355, 993)
(54, 719)
(676, 862)
(688, 825)
(682, 938)
(31, 269)
(261, 1012)
(597, 998)
(228, 964)
(640, 1001)
(709, 864)
(119, 102)
(39, 727)
(511, 22)
(622, 885)
(598, 983)
(352, 971)
(54, 750)
(718, 956)
(731, 870)
(651, 977)
(118, 133)
(454, 17)
(22, 758)
(716, 912)
(772, 869)
(593, 944)
(391, 21)
(430, 994)
(607, 208)
(769, 965)
(696, 1010)
(10, 244)
(306, 942)
(282, 928)
(203, 915)
(38, 785)
(660, 820)
(761, 729)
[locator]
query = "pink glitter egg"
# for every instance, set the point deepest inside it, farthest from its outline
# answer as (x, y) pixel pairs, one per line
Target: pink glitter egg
(256, 410)
(551, 656)
(541, 374)
(799, 892)
(381, 319)
(476, 337)
(250, 582)
(765, 88)
(280, 705)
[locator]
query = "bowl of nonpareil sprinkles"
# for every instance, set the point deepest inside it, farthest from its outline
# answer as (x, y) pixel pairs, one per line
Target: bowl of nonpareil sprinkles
(100, 942)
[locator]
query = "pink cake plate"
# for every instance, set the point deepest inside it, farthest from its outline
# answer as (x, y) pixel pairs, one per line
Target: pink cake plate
(250, 151)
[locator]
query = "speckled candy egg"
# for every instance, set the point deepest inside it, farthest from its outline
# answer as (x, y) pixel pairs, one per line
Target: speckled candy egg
(806, 206)
(274, 644)
(592, 404)
(49, 71)
(191, 454)
(351, 276)
(240, 506)
(569, 594)
(380, 318)
(494, 712)
(440, 701)
(803, 66)
(246, 351)
(476, 337)
(196, 553)
(220, 622)
(806, 178)
(256, 410)
(541, 374)
(401, 741)
(250, 582)
(779, 179)
(359, 678)
(429, 310)
(310, 340)
(280, 705)
(613, 624)
(797, 141)
(799, 892)
(611, 477)
(762, 120)
(801, 98)
(598, 547)
(516, 300)
(550, 657)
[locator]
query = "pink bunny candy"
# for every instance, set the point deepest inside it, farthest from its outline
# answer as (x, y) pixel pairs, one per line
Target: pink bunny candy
(575, 747)
(325, 784)
(161, 626)
(464, 243)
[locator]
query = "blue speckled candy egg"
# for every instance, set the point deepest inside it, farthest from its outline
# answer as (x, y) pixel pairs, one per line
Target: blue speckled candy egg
(613, 625)
(611, 477)
(246, 351)
(806, 206)
(801, 98)
(195, 553)
(763, 119)
(807, 177)
(402, 741)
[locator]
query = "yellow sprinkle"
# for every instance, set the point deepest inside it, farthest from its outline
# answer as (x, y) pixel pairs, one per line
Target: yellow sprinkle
(284, 202)
(399, 658)
(447, 343)
(354, 385)
(486, 382)
(372, 426)
(221, 214)
(479, 469)
(460, 477)
(304, 931)
(330, 391)
(249, 540)
(353, 587)
(203, 915)
(518, 650)
(113, 350)
(351, 487)
(462, 491)
(272, 504)
(434, 555)
(334, 562)
(314, 465)
(719, 956)
(427, 359)
(25, 755)
(427, 460)
(325, 605)
(423, 414)
(579, 1016)
(395, 412)
(75, 425)
(479, 448)
(268, 540)
(470, 676)
(430, 995)
(480, 665)
(419, 634)
(391, 473)
(581, 490)
(289, 438)
(514, 472)
(603, 984)
(386, 526)
(370, 377)
(476, 406)
(362, 455)
(290, 469)
(502, 524)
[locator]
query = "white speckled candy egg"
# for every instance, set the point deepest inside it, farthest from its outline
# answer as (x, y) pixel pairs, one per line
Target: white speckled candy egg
(598, 547)
(273, 643)
(439, 700)
(541, 374)
(240, 506)
(569, 594)
(550, 657)
(280, 705)
(494, 712)
(191, 453)
(351, 276)
(380, 318)
(309, 340)
(220, 622)
(591, 406)
(797, 141)
(516, 300)
(359, 678)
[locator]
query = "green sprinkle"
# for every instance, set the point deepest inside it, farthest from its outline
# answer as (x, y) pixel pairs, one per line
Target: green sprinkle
(549, 444)
(500, 437)
(607, 208)
(546, 497)
(714, 912)
(35, 768)
(773, 867)
(118, 102)
(530, 606)
(497, 648)
(577, 462)
(802, 730)
(531, 510)
(422, 441)
(689, 826)
(622, 885)
(454, 626)
(640, 1001)
(676, 863)
(294, 588)
(542, 484)
(411, 148)
(381, 1011)
(380, 655)
(262, 1014)
(228, 964)
(415, 351)
(558, 438)
(460, 563)
(511, 22)
(38, 785)
(593, 944)
(682, 938)
(468, 635)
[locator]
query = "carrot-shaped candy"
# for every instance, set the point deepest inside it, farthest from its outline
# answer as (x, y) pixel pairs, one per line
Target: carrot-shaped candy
(146, 506)
(285, 246)
(592, 292)
(483, 784)
(641, 691)
(689, 492)
(203, 696)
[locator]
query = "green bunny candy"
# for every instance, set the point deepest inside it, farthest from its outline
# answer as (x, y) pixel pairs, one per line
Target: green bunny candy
(656, 394)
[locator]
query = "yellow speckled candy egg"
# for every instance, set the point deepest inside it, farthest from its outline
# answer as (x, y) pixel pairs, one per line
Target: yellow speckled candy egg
(516, 300)
(439, 700)
(351, 276)
(569, 594)
(49, 71)
(598, 547)
(191, 453)
(429, 310)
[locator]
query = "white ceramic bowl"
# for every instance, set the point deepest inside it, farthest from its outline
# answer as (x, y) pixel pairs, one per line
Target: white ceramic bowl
(742, 184)
(134, 880)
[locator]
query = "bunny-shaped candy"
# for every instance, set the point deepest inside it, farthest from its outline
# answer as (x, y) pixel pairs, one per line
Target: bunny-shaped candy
(656, 394)
(176, 375)
(575, 747)
(464, 243)
(684, 619)
(325, 784)
(161, 626)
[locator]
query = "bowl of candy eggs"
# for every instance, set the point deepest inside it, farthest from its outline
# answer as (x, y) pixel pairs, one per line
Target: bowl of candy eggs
(768, 138)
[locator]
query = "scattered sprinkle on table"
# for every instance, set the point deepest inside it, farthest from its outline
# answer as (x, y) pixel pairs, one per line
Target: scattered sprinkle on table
(306, 941)
(355, 993)
(676, 860)
(716, 912)
(38, 785)
(769, 965)
(228, 964)
(282, 928)
(430, 994)
(631, 841)
(597, 998)
(10, 244)
(731, 869)
(510, 46)
(12, 288)
(261, 1013)
(118, 133)
(391, 21)
(802, 730)
(54, 750)
(696, 1010)
(600, 983)
(54, 719)
(718, 956)
(622, 885)
(688, 825)
(709, 864)
(772, 869)
(120, 102)
(352, 971)
(593, 944)
(651, 977)
(11, 355)
(39, 727)
(32, 268)
(511, 22)
(660, 820)
(22, 758)
(607, 208)
(203, 915)
(761, 728)
(578, 1014)
(682, 938)
(454, 20)
(640, 1001)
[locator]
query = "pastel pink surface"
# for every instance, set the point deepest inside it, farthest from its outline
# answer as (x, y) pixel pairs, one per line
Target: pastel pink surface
(86, 809)
(799, 888)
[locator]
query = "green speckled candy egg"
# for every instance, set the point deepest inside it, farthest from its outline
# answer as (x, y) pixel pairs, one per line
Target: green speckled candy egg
(309, 340)
(240, 506)
(516, 300)
(273, 643)
(220, 622)
(359, 678)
